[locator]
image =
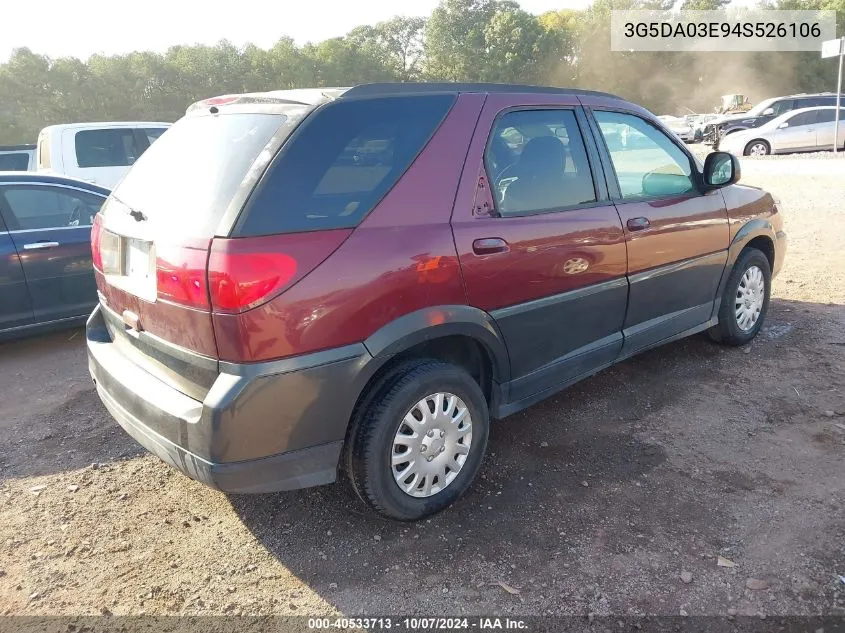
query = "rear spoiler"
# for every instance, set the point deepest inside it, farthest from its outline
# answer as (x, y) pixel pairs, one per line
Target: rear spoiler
(304, 96)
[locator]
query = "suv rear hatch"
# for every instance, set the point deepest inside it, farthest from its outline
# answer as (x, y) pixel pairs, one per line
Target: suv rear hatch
(204, 228)
(153, 239)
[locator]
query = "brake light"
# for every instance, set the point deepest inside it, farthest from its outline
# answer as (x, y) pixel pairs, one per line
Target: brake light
(219, 100)
(181, 275)
(96, 233)
(246, 272)
(240, 280)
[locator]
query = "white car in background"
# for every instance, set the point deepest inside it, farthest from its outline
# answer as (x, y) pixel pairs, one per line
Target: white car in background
(679, 127)
(804, 130)
(100, 153)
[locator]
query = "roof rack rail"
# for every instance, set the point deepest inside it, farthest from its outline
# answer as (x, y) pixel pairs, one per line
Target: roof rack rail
(388, 89)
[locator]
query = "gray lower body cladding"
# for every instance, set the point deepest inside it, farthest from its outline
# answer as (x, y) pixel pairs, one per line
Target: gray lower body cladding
(261, 427)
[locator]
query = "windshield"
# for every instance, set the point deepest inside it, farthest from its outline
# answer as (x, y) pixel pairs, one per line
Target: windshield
(186, 179)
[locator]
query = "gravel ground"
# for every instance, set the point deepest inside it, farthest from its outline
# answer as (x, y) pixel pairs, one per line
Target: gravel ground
(615, 497)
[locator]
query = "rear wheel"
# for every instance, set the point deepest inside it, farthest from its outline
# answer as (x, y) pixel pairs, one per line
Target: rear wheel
(417, 443)
(757, 148)
(745, 300)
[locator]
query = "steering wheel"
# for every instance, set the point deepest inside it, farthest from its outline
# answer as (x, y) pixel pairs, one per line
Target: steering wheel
(76, 214)
(502, 179)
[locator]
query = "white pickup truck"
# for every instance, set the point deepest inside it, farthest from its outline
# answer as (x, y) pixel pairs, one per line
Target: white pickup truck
(100, 153)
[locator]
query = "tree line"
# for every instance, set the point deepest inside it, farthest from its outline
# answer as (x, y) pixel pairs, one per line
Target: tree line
(462, 40)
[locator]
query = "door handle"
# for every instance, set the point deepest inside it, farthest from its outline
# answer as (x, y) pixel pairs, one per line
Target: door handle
(638, 224)
(37, 245)
(490, 245)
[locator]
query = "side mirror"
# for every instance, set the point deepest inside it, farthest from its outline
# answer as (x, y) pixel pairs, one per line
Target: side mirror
(768, 111)
(721, 169)
(783, 125)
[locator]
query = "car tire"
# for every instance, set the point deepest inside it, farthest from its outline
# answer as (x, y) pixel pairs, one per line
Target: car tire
(380, 433)
(757, 147)
(745, 300)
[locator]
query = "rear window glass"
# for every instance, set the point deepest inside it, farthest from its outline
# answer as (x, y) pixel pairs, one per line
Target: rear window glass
(14, 162)
(342, 161)
(106, 148)
(187, 178)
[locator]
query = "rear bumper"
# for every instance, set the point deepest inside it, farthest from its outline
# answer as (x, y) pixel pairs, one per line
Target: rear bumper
(261, 427)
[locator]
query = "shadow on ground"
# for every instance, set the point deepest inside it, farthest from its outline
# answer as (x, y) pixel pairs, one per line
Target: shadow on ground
(570, 486)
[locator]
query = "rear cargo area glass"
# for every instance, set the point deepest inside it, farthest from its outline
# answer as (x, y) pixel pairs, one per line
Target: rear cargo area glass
(340, 162)
(185, 181)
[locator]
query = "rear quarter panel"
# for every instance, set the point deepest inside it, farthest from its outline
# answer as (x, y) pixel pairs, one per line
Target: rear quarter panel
(400, 259)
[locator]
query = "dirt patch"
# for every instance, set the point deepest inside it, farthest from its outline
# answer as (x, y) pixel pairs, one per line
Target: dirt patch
(594, 501)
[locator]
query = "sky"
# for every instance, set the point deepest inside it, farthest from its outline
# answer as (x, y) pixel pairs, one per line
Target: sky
(80, 28)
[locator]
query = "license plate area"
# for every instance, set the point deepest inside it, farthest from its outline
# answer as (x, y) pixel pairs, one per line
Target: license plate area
(136, 262)
(129, 264)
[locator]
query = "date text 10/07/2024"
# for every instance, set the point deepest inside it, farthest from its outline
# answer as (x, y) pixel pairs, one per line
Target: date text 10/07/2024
(419, 624)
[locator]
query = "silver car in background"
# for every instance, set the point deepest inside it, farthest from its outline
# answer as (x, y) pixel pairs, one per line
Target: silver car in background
(804, 130)
(679, 127)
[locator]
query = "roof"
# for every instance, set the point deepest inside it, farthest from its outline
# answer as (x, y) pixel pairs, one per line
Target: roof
(37, 177)
(16, 148)
(318, 96)
(385, 89)
(808, 94)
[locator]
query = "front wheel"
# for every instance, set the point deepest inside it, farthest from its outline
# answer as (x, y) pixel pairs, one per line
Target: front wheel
(757, 148)
(417, 443)
(745, 300)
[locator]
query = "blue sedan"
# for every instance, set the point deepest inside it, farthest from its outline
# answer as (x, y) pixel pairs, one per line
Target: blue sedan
(46, 275)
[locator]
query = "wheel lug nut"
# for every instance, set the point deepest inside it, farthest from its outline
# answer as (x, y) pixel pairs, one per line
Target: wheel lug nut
(429, 458)
(431, 433)
(442, 448)
(442, 434)
(423, 448)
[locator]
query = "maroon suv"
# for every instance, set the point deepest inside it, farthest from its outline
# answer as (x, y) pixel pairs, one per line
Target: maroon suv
(299, 283)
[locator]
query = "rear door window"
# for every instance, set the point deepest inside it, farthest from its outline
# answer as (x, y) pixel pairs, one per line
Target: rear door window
(829, 116)
(115, 147)
(803, 118)
(16, 161)
(340, 163)
(547, 170)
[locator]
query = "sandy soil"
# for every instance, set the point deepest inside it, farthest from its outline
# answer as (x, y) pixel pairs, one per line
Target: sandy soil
(615, 497)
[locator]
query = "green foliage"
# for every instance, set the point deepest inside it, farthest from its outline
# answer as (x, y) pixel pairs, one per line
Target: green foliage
(462, 40)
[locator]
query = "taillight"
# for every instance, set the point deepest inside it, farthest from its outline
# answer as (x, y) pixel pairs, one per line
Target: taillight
(245, 272)
(181, 275)
(240, 280)
(96, 233)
